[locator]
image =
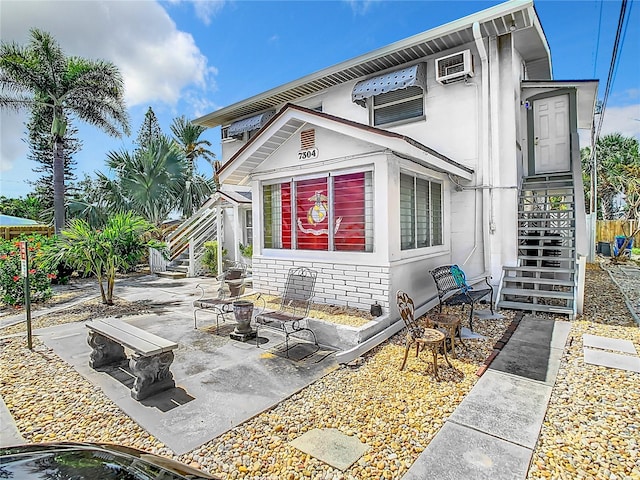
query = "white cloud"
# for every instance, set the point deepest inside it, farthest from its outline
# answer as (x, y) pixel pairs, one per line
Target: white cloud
(205, 9)
(158, 62)
(625, 120)
(359, 7)
(12, 129)
(155, 58)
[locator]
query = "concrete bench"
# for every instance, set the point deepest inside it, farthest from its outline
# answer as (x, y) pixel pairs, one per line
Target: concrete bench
(150, 361)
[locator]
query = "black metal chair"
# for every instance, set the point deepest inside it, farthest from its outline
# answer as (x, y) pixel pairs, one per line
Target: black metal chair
(453, 289)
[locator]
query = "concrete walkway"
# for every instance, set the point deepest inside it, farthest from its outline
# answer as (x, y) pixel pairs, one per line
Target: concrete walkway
(493, 432)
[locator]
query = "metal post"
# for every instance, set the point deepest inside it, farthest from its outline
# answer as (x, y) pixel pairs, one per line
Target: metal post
(24, 260)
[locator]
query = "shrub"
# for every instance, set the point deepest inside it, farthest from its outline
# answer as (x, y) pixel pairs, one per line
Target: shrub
(210, 256)
(40, 275)
(246, 250)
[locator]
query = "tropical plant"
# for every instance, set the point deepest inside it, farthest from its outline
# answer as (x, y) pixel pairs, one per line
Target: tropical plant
(246, 250)
(11, 278)
(187, 135)
(124, 239)
(39, 75)
(616, 158)
(197, 187)
(152, 181)
(210, 256)
(29, 207)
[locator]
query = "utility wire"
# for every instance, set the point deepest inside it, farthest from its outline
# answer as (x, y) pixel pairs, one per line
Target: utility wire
(595, 61)
(612, 65)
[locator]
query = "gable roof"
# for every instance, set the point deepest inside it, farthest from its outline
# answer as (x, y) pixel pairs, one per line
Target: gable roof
(517, 17)
(291, 117)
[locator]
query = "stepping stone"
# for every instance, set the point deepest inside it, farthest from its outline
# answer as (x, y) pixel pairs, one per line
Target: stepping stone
(331, 446)
(611, 360)
(607, 343)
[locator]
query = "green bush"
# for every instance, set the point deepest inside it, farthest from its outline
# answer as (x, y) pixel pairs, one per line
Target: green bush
(210, 256)
(40, 275)
(246, 250)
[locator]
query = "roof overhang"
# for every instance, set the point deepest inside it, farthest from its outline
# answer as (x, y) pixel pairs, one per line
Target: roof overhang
(291, 118)
(517, 17)
(586, 96)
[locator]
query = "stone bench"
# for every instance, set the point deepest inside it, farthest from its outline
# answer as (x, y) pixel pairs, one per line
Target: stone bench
(152, 355)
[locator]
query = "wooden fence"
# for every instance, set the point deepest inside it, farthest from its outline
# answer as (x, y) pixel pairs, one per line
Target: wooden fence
(11, 232)
(607, 230)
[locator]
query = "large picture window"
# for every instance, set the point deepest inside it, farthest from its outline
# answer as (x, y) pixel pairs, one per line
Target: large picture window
(333, 213)
(420, 212)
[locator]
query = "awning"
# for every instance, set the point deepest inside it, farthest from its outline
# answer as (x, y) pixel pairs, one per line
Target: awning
(415, 75)
(251, 123)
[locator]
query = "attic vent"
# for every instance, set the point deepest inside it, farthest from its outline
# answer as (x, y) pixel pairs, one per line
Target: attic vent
(307, 139)
(454, 67)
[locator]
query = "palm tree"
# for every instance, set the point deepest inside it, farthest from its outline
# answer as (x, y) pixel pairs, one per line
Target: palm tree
(147, 181)
(187, 135)
(196, 187)
(40, 75)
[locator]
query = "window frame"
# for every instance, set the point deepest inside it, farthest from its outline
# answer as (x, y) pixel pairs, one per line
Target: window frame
(432, 232)
(369, 212)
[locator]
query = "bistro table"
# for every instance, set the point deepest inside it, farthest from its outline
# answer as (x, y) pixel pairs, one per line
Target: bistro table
(452, 324)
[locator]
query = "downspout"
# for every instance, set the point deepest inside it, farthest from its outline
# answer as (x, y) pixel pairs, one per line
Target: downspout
(482, 51)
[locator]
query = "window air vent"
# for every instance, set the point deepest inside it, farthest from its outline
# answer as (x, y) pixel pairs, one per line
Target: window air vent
(454, 67)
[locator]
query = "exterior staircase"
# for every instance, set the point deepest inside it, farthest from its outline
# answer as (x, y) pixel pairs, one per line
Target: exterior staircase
(186, 244)
(545, 278)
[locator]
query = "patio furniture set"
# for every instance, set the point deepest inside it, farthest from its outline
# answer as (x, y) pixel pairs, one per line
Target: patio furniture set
(152, 355)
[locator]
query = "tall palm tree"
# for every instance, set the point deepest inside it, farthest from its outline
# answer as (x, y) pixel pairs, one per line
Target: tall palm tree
(41, 75)
(196, 188)
(187, 135)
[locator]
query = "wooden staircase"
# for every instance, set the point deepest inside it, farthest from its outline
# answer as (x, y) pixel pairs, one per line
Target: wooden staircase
(545, 278)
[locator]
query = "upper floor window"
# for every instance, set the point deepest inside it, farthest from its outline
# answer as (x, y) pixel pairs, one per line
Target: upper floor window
(398, 105)
(396, 96)
(333, 212)
(420, 212)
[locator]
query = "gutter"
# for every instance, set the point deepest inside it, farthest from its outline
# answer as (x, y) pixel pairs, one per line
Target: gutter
(482, 51)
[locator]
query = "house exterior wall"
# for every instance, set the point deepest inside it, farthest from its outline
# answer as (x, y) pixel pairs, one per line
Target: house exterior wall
(480, 217)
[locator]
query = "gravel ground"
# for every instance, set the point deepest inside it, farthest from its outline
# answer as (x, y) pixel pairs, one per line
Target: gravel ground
(592, 426)
(590, 431)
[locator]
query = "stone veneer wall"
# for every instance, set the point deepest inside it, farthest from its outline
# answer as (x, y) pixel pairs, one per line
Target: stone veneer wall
(357, 286)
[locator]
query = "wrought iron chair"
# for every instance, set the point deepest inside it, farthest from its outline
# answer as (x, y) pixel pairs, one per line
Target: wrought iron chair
(453, 289)
(228, 291)
(423, 337)
(291, 317)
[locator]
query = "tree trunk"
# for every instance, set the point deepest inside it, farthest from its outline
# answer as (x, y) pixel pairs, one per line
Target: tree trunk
(58, 184)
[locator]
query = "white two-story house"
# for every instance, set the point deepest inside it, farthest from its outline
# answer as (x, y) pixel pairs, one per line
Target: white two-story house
(454, 146)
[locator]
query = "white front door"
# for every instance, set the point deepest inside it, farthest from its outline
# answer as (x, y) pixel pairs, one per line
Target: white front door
(551, 134)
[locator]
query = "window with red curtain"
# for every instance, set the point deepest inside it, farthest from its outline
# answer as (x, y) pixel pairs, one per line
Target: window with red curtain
(331, 213)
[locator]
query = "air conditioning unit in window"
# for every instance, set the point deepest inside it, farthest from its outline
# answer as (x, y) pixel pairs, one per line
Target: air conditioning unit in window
(454, 67)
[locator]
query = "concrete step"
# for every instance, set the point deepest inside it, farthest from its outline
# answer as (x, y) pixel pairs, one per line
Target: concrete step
(543, 238)
(542, 258)
(534, 307)
(522, 212)
(545, 229)
(172, 274)
(544, 219)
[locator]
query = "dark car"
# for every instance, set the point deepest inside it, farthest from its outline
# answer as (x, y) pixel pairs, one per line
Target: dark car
(89, 461)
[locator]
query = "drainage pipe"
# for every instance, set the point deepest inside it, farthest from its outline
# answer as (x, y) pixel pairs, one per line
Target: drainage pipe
(486, 144)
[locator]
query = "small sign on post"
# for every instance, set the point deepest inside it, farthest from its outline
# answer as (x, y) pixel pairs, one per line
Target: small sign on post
(24, 264)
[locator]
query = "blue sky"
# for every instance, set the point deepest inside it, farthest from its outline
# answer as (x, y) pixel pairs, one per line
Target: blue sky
(193, 57)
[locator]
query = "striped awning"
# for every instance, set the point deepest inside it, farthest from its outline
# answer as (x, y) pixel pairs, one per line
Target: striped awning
(415, 75)
(251, 123)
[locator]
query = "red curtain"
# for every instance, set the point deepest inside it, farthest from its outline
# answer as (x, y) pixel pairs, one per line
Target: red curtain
(312, 216)
(349, 212)
(285, 196)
